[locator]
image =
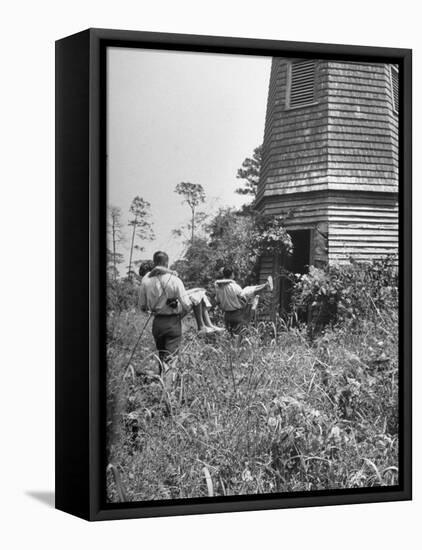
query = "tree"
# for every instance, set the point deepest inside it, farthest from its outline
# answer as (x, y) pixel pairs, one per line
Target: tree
(193, 195)
(227, 243)
(116, 237)
(141, 225)
(231, 235)
(250, 172)
(270, 235)
(240, 240)
(185, 230)
(196, 266)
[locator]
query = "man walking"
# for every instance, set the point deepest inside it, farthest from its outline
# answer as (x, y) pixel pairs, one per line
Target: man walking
(237, 303)
(165, 296)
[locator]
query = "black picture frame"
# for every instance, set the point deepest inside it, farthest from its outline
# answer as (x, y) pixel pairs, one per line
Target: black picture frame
(80, 276)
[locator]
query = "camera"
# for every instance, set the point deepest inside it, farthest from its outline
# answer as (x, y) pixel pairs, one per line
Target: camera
(172, 302)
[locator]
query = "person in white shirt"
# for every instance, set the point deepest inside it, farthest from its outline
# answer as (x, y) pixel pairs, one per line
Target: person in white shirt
(238, 303)
(166, 298)
(200, 303)
(164, 294)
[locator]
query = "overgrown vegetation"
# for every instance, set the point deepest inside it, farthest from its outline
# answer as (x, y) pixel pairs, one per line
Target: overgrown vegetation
(277, 412)
(293, 406)
(348, 293)
(233, 238)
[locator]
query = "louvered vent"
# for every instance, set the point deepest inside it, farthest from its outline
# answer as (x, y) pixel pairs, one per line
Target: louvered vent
(302, 83)
(395, 87)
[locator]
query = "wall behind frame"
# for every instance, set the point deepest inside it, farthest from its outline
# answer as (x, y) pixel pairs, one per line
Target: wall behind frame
(27, 277)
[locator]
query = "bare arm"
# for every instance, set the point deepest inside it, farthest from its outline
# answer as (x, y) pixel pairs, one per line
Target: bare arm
(161, 270)
(142, 298)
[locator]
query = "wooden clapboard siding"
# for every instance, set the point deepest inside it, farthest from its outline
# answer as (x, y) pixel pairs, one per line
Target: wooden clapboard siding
(332, 166)
(359, 225)
(362, 226)
(295, 139)
(299, 210)
(394, 121)
(367, 240)
(362, 127)
(347, 140)
(266, 268)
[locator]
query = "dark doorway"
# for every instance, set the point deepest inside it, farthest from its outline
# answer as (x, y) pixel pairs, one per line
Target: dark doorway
(297, 262)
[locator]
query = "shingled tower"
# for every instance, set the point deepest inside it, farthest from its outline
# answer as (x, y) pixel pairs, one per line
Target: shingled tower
(330, 161)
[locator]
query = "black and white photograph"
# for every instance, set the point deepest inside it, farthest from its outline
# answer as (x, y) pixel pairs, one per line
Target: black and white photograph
(209, 250)
(252, 296)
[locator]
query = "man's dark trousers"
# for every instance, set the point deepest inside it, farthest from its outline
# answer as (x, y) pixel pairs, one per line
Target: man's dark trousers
(235, 320)
(167, 332)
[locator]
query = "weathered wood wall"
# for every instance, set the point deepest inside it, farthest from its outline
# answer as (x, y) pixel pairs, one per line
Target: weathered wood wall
(362, 162)
(333, 165)
(362, 128)
(295, 153)
(362, 225)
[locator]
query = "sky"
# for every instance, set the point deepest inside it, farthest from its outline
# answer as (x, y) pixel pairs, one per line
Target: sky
(180, 116)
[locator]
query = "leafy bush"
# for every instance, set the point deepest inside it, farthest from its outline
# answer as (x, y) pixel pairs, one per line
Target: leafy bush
(237, 239)
(347, 293)
(122, 294)
(228, 242)
(270, 236)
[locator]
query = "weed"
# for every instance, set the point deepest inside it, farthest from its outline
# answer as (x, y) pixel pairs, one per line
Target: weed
(273, 413)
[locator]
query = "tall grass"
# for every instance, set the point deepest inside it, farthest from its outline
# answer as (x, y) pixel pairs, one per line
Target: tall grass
(273, 413)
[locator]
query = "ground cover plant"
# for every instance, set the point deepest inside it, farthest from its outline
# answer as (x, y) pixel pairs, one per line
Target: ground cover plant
(285, 409)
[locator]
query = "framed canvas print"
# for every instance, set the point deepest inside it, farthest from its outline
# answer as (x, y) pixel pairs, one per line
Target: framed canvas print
(233, 274)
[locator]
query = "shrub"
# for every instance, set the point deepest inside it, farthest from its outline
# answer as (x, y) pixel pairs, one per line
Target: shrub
(347, 293)
(122, 294)
(237, 239)
(270, 236)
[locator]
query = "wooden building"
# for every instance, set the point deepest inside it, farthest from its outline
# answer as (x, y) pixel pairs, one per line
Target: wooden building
(330, 161)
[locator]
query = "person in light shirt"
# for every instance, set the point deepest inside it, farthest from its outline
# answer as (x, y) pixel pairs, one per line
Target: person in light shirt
(237, 302)
(166, 298)
(200, 303)
(164, 295)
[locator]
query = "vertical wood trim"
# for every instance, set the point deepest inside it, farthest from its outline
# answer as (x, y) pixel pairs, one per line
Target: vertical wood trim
(288, 83)
(312, 246)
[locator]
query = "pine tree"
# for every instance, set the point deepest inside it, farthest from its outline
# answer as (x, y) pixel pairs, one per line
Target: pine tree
(116, 237)
(250, 172)
(193, 195)
(141, 226)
